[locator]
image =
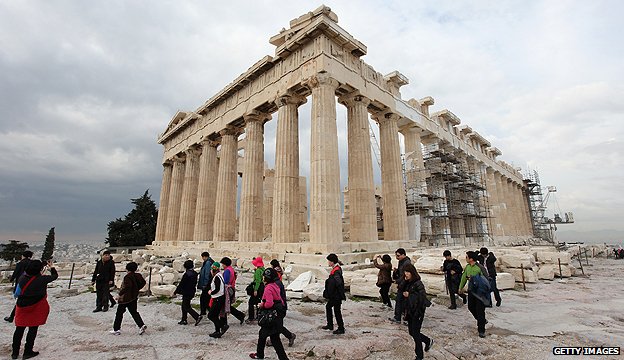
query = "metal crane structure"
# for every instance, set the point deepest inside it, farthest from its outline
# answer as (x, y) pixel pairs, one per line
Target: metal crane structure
(543, 226)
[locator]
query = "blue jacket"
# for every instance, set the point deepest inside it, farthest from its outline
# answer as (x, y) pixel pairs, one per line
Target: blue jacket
(205, 276)
(480, 287)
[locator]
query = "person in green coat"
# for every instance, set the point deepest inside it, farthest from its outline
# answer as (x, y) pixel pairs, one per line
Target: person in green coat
(476, 307)
(258, 285)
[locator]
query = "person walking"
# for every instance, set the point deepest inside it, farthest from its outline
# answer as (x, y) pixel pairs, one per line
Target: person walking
(489, 260)
(384, 277)
(416, 303)
(216, 312)
(255, 289)
(476, 306)
(271, 299)
(452, 276)
(32, 306)
(334, 293)
(397, 276)
(128, 299)
(284, 331)
(103, 277)
(229, 276)
(20, 269)
(186, 288)
(203, 284)
(275, 264)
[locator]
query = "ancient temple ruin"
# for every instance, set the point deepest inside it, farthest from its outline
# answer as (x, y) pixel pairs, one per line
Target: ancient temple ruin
(446, 188)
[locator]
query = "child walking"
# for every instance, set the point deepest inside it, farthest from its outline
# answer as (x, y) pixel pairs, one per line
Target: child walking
(128, 298)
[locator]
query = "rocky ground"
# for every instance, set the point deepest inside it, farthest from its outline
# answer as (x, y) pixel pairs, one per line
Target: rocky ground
(577, 311)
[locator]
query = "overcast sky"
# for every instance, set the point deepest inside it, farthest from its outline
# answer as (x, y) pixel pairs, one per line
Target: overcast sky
(86, 87)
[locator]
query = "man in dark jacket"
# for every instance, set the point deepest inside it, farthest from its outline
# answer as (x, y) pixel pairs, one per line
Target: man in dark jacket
(103, 278)
(452, 275)
(489, 260)
(203, 284)
(186, 288)
(128, 297)
(20, 269)
(334, 293)
(399, 278)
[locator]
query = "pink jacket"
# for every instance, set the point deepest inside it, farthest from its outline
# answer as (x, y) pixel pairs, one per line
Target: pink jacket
(271, 295)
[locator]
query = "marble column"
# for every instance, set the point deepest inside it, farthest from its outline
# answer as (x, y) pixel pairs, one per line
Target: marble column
(493, 203)
(394, 211)
(269, 187)
(175, 199)
(361, 187)
(512, 218)
(225, 209)
(325, 220)
(500, 191)
(189, 196)
(164, 201)
(527, 210)
(251, 219)
(206, 191)
(284, 228)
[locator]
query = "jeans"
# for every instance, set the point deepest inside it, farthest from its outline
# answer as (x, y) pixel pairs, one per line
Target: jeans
(132, 309)
(477, 309)
(335, 306)
(414, 324)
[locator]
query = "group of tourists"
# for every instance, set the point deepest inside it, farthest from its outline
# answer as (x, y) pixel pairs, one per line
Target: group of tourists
(267, 306)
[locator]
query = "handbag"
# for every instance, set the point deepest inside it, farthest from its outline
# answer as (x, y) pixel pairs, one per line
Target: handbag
(267, 317)
(250, 288)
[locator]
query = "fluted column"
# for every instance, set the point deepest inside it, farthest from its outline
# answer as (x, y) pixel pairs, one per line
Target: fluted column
(285, 227)
(251, 219)
(206, 191)
(500, 191)
(512, 220)
(225, 209)
(361, 188)
(325, 221)
(527, 210)
(493, 202)
(189, 196)
(395, 213)
(163, 207)
(175, 199)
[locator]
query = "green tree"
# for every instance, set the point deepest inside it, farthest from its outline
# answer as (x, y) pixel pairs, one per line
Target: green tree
(48, 247)
(13, 250)
(138, 227)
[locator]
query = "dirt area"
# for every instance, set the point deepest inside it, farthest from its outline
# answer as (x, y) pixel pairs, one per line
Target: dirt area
(578, 311)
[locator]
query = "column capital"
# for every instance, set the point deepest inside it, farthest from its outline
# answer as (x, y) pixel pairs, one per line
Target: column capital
(167, 162)
(191, 152)
(208, 142)
(230, 130)
(289, 98)
(320, 79)
(255, 115)
(178, 158)
(385, 116)
(353, 98)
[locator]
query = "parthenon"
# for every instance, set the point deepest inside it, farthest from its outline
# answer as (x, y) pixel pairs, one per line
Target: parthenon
(446, 187)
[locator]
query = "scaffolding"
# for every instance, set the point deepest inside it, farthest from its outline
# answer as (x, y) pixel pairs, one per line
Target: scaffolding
(450, 196)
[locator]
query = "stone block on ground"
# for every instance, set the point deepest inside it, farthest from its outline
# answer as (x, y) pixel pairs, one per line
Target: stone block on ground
(314, 292)
(529, 275)
(573, 270)
(166, 278)
(163, 290)
(364, 287)
(294, 294)
(434, 284)
(552, 257)
(301, 281)
(429, 265)
(178, 265)
(517, 260)
(546, 272)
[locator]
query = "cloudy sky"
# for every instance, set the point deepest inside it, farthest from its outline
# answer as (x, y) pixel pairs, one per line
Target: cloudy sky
(86, 87)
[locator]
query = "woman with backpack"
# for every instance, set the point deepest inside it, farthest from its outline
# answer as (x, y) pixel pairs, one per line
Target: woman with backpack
(271, 302)
(417, 303)
(128, 298)
(32, 308)
(255, 289)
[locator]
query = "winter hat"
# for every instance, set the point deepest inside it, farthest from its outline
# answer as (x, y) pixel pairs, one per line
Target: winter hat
(257, 262)
(215, 266)
(270, 275)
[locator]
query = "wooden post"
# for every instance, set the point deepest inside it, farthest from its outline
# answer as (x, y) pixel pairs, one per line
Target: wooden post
(71, 276)
(581, 263)
(586, 258)
(149, 283)
(560, 274)
(523, 283)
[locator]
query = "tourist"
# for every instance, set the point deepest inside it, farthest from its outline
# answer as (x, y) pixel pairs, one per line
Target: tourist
(489, 261)
(256, 288)
(452, 275)
(216, 312)
(476, 306)
(128, 298)
(416, 303)
(334, 293)
(284, 331)
(275, 264)
(203, 284)
(32, 307)
(103, 277)
(397, 275)
(20, 269)
(271, 300)
(384, 277)
(186, 288)
(229, 276)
